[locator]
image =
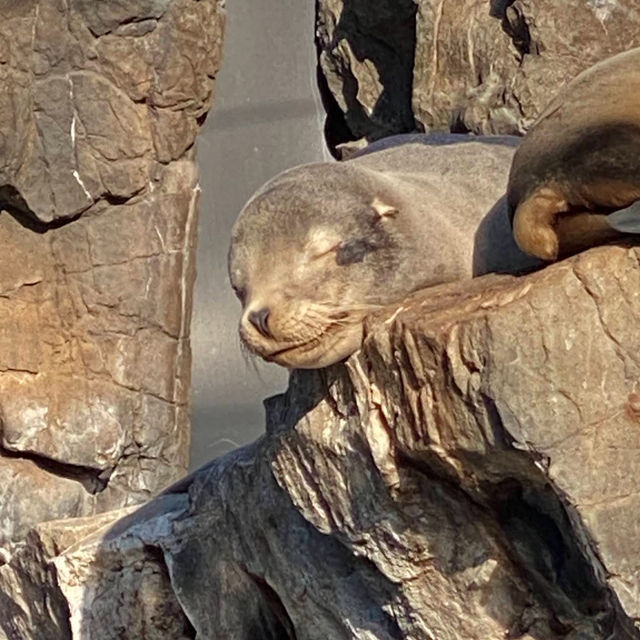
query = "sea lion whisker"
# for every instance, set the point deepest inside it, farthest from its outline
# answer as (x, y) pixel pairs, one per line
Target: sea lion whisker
(249, 356)
(345, 321)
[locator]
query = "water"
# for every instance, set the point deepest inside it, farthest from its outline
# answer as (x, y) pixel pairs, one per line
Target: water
(267, 117)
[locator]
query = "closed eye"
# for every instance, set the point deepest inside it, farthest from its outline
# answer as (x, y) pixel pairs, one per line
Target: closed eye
(322, 242)
(321, 253)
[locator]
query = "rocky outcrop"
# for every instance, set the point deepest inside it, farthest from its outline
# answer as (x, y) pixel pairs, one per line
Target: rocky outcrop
(100, 108)
(484, 67)
(469, 474)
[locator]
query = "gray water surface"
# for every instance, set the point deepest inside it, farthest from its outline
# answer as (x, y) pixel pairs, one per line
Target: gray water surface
(267, 117)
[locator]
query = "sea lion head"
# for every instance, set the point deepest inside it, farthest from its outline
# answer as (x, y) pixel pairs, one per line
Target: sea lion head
(311, 254)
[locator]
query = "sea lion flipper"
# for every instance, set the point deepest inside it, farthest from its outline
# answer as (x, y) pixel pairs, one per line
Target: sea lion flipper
(626, 220)
(534, 219)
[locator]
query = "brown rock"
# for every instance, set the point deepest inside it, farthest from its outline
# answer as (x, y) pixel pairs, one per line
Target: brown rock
(93, 87)
(104, 17)
(484, 67)
(469, 475)
(366, 55)
(98, 214)
(30, 494)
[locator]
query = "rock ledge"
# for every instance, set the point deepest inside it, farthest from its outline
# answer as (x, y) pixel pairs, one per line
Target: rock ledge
(470, 474)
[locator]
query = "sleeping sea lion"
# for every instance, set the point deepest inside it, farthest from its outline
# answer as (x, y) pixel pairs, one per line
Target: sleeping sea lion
(322, 245)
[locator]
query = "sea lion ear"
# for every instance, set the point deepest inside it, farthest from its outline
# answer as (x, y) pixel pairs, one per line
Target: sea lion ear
(383, 210)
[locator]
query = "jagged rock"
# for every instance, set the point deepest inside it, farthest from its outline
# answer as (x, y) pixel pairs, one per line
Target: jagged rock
(366, 54)
(98, 209)
(470, 474)
(485, 67)
(48, 495)
(98, 94)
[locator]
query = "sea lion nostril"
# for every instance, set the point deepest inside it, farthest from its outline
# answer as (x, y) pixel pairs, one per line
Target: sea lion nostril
(259, 320)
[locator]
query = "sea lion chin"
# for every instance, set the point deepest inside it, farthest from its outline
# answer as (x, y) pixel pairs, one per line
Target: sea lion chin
(576, 176)
(321, 246)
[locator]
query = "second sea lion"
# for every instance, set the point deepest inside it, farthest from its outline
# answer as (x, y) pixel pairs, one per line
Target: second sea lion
(575, 179)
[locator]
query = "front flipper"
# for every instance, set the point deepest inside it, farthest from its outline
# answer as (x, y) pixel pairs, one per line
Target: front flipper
(534, 220)
(626, 220)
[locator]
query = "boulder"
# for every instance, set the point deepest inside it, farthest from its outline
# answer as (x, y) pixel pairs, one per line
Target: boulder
(470, 474)
(101, 105)
(481, 67)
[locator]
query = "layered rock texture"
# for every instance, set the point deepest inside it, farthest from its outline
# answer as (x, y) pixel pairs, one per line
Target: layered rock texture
(468, 475)
(485, 67)
(100, 107)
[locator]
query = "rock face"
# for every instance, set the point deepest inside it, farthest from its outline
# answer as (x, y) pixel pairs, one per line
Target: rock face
(469, 475)
(100, 107)
(485, 67)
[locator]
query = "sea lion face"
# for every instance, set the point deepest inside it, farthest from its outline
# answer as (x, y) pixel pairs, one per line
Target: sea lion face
(308, 262)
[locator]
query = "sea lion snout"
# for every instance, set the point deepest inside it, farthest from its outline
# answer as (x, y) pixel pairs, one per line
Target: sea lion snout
(301, 333)
(259, 320)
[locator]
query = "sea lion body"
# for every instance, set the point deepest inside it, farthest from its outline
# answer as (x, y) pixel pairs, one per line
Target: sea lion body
(322, 245)
(579, 162)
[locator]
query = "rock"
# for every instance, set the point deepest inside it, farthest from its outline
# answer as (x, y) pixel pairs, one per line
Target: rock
(28, 586)
(470, 474)
(366, 55)
(486, 67)
(99, 93)
(98, 216)
(104, 17)
(49, 494)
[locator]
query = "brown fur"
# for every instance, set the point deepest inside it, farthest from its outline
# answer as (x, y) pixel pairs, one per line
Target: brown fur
(581, 158)
(559, 220)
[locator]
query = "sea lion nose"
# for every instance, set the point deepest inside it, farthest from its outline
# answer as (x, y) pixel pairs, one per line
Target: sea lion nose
(259, 320)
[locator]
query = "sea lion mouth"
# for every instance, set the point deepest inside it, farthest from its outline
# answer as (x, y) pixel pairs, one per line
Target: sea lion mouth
(333, 344)
(302, 348)
(322, 352)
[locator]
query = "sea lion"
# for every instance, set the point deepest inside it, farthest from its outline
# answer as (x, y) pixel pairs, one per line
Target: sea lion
(322, 245)
(579, 163)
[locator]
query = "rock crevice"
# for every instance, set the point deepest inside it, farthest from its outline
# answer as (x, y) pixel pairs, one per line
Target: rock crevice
(480, 67)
